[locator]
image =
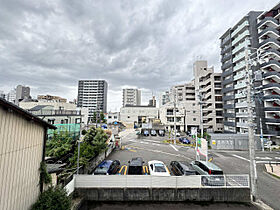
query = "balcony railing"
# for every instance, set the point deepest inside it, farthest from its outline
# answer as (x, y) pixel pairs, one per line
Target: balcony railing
(268, 20)
(240, 37)
(240, 85)
(240, 105)
(239, 66)
(239, 57)
(239, 28)
(56, 112)
(239, 76)
(270, 41)
(270, 63)
(240, 95)
(226, 65)
(269, 30)
(240, 46)
(227, 73)
(242, 125)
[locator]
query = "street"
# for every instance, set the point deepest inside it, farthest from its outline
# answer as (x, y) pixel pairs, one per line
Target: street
(232, 162)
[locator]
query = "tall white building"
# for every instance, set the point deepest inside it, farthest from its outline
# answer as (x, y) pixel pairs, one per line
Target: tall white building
(92, 94)
(131, 97)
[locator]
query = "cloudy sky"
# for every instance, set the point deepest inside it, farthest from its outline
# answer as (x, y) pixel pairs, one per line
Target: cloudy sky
(50, 44)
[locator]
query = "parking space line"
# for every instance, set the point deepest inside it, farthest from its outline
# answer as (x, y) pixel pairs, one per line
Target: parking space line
(120, 171)
(242, 158)
(173, 147)
(125, 170)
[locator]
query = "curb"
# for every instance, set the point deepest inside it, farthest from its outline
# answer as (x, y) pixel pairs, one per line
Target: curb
(261, 205)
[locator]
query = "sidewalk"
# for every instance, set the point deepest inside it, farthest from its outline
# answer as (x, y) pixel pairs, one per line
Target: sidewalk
(273, 169)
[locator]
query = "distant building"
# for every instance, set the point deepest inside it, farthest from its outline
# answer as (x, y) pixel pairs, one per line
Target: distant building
(113, 117)
(3, 95)
(92, 94)
(11, 96)
(167, 115)
(164, 98)
(22, 143)
(153, 102)
(50, 98)
(138, 114)
(22, 92)
(131, 97)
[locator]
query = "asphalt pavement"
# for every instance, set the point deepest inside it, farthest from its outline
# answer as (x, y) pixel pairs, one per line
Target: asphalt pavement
(232, 162)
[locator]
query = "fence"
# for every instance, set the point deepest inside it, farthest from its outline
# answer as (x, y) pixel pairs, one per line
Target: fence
(146, 181)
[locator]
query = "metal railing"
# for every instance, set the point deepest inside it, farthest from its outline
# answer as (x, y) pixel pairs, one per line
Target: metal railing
(148, 181)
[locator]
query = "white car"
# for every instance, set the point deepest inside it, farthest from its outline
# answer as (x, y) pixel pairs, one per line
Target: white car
(158, 168)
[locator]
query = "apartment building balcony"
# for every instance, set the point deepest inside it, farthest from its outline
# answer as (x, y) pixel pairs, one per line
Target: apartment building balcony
(45, 112)
(225, 40)
(273, 74)
(226, 49)
(240, 47)
(273, 43)
(226, 65)
(272, 52)
(239, 66)
(272, 132)
(226, 57)
(229, 115)
(241, 105)
(240, 85)
(228, 89)
(239, 76)
(239, 57)
(272, 121)
(239, 28)
(241, 114)
(242, 125)
(228, 98)
(227, 73)
(268, 21)
(240, 95)
(271, 86)
(270, 32)
(228, 123)
(272, 109)
(271, 97)
(240, 37)
(227, 81)
(228, 106)
(272, 63)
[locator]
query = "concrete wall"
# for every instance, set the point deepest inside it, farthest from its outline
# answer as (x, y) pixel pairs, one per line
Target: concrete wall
(21, 148)
(233, 141)
(131, 114)
(165, 194)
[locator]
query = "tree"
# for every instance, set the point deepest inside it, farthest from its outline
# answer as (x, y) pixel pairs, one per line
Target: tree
(54, 198)
(94, 117)
(60, 145)
(102, 117)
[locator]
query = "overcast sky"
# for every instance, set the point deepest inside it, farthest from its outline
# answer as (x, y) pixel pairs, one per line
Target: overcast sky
(50, 44)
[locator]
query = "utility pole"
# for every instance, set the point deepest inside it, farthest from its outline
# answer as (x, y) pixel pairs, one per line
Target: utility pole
(261, 134)
(175, 117)
(251, 131)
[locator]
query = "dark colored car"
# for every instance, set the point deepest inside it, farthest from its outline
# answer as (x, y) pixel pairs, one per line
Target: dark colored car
(184, 140)
(180, 168)
(135, 166)
(107, 167)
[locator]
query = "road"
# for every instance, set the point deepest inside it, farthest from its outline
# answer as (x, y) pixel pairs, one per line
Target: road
(232, 162)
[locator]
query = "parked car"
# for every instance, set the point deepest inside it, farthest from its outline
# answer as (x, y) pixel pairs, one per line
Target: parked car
(158, 168)
(161, 133)
(180, 168)
(135, 166)
(184, 140)
(153, 133)
(107, 167)
(178, 134)
(146, 133)
(208, 169)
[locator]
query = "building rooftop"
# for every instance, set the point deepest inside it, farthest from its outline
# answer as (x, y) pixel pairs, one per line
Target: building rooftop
(14, 108)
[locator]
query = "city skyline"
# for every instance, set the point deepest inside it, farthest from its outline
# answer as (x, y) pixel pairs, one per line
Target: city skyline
(138, 55)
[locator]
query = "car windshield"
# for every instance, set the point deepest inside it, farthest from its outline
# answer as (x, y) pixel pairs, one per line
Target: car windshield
(101, 170)
(159, 167)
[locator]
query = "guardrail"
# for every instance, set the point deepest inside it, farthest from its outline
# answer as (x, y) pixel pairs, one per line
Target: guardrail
(147, 181)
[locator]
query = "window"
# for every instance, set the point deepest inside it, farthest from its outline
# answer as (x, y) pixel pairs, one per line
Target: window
(128, 116)
(193, 104)
(193, 111)
(194, 119)
(109, 117)
(115, 117)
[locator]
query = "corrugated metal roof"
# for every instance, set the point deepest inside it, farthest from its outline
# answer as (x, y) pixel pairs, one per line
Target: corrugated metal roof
(24, 113)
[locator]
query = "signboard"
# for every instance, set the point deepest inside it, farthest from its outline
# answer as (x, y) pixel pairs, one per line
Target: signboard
(193, 131)
(202, 148)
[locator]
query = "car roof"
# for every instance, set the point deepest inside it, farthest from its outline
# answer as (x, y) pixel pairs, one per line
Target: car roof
(210, 165)
(105, 164)
(136, 161)
(155, 161)
(186, 166)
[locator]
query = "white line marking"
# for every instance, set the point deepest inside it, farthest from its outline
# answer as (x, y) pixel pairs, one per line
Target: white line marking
(156, 144)
(173, 147)
(242, 158)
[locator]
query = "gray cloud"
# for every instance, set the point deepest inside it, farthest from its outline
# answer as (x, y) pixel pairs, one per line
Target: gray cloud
(50, 45)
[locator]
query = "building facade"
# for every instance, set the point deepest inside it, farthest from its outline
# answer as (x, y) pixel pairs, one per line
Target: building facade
(164, 98)
(51, 98)
(92, 94)
(22, 92)
(269, 48)
(131, 97)
(113, 117)
(234, 86)
(22, 149)
(208, 86)
(167, 117)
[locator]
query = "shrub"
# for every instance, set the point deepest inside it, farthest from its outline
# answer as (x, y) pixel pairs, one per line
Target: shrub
(54, 198)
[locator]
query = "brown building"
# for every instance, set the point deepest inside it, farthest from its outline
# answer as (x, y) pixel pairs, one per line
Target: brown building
(51, 98)
(22, 148)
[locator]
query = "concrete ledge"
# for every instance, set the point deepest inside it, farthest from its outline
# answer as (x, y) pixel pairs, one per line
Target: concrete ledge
(165, 194)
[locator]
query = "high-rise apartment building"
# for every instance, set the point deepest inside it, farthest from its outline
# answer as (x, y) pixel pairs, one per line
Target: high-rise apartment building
(164, 98)
(131, 97)
(234, 81)
(22, 92)
(208, 86)
(269, 48)
(92, 94)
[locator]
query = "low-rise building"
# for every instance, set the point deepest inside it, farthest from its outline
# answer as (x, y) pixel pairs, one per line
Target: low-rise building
(167, 116)
(22, 148)
(112, 117)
